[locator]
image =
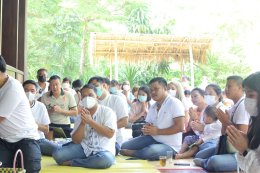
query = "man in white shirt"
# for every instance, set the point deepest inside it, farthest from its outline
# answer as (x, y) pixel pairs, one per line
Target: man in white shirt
(165, 123)
(116, 103)
(41, 117)
(93, 135)
(18, 129)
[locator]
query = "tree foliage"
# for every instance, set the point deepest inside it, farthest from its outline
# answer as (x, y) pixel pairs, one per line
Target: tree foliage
(58, 39)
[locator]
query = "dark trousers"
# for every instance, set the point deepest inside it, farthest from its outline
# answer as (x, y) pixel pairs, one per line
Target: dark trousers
(31, 154)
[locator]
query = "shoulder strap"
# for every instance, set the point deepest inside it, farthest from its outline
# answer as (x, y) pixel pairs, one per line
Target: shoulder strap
(233, 113)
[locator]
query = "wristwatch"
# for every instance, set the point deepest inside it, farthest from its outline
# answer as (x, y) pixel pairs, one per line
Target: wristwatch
(245, 153)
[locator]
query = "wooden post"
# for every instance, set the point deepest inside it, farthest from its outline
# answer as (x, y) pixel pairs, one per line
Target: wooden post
(191, 66)
(116, 61)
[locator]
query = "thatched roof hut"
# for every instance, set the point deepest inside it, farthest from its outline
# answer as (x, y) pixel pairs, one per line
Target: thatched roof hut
(134, 48)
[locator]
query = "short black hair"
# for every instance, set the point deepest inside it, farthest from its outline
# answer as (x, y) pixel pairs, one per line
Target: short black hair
(237, 79)
(114, 82)
(97, 78)
(2, 64)
(107, 81)
(201, 91)
(160, 80)
(146, 89)
(30, 82)
(187, 92)
(89, 86)
(54, 77)
(41, 69)
(77, 83)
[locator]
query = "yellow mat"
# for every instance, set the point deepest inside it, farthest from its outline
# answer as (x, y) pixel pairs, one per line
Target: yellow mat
(121, 165)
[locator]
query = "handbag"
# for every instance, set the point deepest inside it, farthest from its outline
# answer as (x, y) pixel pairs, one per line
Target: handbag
(137, 128)
(14, 169)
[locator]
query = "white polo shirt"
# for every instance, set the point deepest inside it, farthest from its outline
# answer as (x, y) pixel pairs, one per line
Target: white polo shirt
(170, 109)
(93, 141)
(239, 113)
(14, 107)
(40, 115)
(119, 106)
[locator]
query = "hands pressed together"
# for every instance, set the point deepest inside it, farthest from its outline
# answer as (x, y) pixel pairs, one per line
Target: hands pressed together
(149, 129)
(85, 116)
(237, 138)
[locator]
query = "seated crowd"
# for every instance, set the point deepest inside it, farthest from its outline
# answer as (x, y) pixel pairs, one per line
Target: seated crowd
(164, 116)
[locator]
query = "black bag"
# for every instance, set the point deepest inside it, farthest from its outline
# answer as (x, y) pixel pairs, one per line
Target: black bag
(222, 145)
(136, 128)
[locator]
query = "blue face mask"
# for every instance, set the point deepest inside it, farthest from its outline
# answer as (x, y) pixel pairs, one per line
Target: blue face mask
(99, 91)
(142, 98)
(112, 90)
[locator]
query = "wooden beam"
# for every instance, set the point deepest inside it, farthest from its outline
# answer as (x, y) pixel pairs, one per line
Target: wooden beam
(10, 22)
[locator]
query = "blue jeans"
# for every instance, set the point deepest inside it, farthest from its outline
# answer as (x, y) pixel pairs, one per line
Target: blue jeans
(47, 147)
(75, 154)
(31, 154)
(217, 163)
(221, 163)
(147, 148)
(207, 149)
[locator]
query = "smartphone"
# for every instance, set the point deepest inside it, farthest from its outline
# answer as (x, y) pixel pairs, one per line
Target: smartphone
(182, 164)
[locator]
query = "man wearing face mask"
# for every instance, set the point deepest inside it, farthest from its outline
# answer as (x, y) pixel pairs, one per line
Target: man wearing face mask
(41, 117)
(93, 135)
(116, 103)
(42, 83)
(18, 129)
(114, 89)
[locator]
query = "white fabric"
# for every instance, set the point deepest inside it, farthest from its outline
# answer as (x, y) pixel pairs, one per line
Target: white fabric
(250, 163)
(211, 131)
(119, 106)
(187, 104)
(213, 126)
(43, 91)
(241, 116)
(93, 141)
(14, 107)
(40, 115)
(170, 109)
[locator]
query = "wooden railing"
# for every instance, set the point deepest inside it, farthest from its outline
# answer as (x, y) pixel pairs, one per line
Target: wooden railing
(15, 73)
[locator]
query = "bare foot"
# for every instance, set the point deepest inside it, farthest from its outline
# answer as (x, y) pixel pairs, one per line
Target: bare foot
(126, 152)
(178, 156)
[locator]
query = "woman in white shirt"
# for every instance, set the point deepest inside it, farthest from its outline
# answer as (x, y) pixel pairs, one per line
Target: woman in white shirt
(248, 146)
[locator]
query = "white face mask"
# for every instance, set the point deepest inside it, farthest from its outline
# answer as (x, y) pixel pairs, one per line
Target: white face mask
(251, 106)
(65, 85)
(210, 100)
(88, 102)
(30, 96)
(172, 92)
(126, 87)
